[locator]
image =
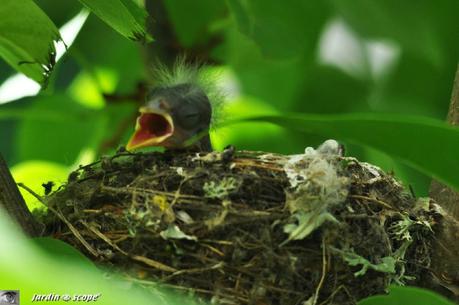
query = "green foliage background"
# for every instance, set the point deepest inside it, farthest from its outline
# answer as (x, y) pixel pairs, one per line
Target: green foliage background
(275, 58)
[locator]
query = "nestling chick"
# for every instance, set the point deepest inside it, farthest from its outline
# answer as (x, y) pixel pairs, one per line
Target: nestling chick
(178, 111)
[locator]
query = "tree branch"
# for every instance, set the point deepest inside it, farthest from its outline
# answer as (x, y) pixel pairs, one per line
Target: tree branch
(13, 203)
(447, 198)
(453, 113)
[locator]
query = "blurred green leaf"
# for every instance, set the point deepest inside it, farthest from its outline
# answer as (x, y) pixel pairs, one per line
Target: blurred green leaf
(46, 140)
(415, 86)
(63, 252)
(277, 82)
(54, 128)
(27, 38)
(59, 11)
(5, 71)
(426, 28)
(258, 135)
(124, 16)
(88, 88)
(281, 29)
(119, 115)
(406, 296)
(122, 59)
(192, 19)
(427, 145)
(326, 89)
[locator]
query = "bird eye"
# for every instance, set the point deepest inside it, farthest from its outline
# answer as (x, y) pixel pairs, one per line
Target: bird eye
(189, 119)
(191, 115)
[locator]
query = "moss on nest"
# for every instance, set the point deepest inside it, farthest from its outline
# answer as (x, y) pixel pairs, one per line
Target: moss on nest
(248, 227)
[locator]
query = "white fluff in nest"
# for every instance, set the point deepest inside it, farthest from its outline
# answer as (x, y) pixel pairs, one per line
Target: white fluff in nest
(316, 185)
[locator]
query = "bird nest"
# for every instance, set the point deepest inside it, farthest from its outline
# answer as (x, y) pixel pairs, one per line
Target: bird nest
(240, 227)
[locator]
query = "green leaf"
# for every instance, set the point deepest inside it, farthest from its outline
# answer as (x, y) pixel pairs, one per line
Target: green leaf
(415, 86)
(60, 12)
(193, 28)
(59, 142)
(435, 24)
(54, 128)
(27, 38)
(425, 144)
(281, 29)
(124, 16)
(91, 57)
(255, 136)
(348, 94)
(63, 252)
(274, 81)
(406, 296)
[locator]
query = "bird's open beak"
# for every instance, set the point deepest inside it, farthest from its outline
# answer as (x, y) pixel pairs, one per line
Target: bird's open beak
(152, 128)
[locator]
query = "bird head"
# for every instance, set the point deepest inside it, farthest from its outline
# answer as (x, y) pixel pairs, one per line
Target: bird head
(171, 117)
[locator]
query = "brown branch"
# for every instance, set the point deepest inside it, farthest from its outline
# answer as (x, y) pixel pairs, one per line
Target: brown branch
(453, 113)
(445, 264)
(13, 203)
(167, 47)
(446, 197)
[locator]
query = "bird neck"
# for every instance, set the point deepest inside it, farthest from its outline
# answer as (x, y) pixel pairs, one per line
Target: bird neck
(204, 144)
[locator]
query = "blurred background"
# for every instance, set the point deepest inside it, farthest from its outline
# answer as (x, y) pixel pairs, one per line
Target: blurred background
(334, 56)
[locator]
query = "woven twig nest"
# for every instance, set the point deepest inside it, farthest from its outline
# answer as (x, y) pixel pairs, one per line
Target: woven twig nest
(249, 227)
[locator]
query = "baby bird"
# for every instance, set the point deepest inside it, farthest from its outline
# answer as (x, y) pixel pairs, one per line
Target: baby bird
(178, 112)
